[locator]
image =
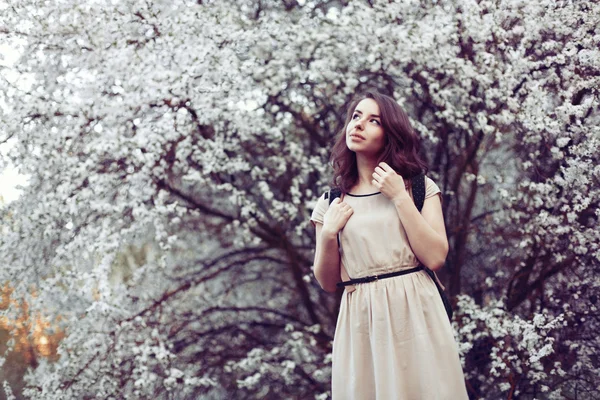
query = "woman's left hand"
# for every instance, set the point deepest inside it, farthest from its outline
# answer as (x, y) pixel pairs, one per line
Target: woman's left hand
(389, 182)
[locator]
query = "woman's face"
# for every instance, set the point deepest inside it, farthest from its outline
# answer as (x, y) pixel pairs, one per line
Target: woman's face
(364, 133)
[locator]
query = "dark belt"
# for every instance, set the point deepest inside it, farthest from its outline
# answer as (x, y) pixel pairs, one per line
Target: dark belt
(377, 277)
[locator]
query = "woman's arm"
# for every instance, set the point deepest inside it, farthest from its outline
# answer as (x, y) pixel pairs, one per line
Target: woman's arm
(327, 256)
(327, 259)
(425, 230)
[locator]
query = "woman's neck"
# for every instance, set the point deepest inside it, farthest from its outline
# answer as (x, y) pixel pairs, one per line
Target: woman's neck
(366, 166)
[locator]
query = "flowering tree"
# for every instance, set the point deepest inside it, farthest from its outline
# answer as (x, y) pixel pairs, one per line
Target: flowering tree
(176, 148)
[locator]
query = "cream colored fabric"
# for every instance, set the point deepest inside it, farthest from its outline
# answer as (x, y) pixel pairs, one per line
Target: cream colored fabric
(393, 339)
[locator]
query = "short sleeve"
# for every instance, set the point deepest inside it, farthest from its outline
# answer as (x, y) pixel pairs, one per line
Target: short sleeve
(431, 189)
(320, 209)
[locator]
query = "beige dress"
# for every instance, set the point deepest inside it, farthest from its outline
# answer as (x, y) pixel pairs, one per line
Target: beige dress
(393, 339)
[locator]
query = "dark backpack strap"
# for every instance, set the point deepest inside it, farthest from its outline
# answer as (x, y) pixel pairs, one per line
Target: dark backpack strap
(333, 193)
(418, 191)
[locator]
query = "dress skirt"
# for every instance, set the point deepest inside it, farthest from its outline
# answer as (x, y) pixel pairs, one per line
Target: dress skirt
(393, 340)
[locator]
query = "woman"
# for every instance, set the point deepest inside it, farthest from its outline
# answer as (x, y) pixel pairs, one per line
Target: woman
(393, 339)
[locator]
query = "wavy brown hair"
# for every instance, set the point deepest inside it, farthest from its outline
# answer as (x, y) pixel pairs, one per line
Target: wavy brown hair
(400, 150)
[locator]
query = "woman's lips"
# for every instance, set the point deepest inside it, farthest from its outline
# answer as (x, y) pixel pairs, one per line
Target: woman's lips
(356, 137)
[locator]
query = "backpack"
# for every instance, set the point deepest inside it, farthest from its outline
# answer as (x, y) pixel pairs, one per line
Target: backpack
(418, 190)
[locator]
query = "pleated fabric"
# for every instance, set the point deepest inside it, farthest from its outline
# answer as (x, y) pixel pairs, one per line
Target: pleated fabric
(393, 340)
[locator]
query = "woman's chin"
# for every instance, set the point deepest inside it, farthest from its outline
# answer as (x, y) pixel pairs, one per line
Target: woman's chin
(354, 147)
(362, 152)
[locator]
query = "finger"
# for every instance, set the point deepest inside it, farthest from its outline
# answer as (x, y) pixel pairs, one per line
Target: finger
(336, 200)
(385, 166)
(376, 176)
(376, 184)
(380, 170)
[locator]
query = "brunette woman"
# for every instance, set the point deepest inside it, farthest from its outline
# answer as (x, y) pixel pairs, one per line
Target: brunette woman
(393, 339)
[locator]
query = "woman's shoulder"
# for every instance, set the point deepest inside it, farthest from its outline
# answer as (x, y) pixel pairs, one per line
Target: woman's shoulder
(431, 187)
(318, 208)
(429, 180)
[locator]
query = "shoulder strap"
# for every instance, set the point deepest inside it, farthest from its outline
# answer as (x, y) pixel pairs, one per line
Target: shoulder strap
(418, 190)
(332, 194)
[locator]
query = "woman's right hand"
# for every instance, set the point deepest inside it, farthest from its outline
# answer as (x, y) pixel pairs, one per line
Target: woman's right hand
(337, 215)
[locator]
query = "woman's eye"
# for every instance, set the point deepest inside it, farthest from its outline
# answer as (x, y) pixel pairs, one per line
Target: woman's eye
(356, 115)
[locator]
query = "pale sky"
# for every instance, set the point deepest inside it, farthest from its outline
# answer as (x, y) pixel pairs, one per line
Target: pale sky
(9, 176)
(9, 179)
